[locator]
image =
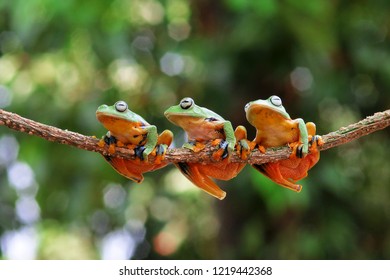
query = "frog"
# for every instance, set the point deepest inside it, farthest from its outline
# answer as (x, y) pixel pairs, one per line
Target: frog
(274, 128)
(128, 129)
(204, 126)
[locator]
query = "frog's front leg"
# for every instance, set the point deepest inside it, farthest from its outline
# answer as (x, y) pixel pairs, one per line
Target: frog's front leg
(151, 141)
(230, 135)
(226, 146)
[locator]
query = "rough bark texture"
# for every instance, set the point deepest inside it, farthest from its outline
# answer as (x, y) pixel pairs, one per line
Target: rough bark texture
(344, 135)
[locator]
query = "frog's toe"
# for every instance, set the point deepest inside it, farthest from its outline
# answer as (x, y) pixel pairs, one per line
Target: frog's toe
(243, 148)
(194, 146)
(223, 150)
(140, 152)
(316, 140)
(298, 151)
(161, 149)
(109, 139)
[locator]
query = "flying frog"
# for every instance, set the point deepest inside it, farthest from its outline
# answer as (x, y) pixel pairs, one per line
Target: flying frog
(274, 128)
(126, 128)
(203, 125)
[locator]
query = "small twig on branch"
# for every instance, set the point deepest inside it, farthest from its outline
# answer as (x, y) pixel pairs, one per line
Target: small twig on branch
(344, 135)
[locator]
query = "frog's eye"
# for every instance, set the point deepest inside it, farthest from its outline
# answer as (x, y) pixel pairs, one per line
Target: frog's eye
(186, 103)
(275, 100)
(247, 106)
(121, 106)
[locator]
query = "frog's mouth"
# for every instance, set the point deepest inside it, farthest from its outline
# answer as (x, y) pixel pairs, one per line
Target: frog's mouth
(183, 118)
(113, 123)
(262, 115)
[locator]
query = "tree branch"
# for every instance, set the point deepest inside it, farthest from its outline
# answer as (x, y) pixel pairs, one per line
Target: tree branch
(344, 135)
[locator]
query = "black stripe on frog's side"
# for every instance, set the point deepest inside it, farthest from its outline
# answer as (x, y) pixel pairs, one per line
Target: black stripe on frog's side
(108, 158)
(183, 168)
(260, 168)
(211, 119)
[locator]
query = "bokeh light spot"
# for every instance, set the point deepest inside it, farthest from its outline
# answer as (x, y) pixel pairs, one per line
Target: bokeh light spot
(20, 175)
(172, 64)
(118, 245)
(301, 78)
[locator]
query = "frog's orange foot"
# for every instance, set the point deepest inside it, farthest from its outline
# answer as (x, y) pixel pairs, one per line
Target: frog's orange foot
(119, 144)
(261, 149)
(297, 150)
(194, 146)
(111, 141)
(315, 141)
(101, 143)
(243, 148)
(223, 149)
(159, 152)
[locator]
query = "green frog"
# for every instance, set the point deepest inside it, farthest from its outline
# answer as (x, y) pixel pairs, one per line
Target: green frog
(126, 128)
(275, 128)
(202, 126)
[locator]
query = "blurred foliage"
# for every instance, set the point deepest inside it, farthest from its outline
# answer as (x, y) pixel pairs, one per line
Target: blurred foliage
(59, 60)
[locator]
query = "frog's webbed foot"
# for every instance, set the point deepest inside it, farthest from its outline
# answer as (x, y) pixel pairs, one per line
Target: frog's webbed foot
(194, 146)
(223, 149)
(272, 171)
(243, 145)
(125, 168)
(111, 141)
(159, 153)
(315, 142)
(243, 148)
(163, 142)
(191, 172)
(298, 150)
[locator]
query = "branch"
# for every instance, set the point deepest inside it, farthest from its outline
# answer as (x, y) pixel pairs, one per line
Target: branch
(344, 135)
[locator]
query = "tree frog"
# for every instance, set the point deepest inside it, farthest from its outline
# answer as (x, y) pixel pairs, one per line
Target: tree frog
(203, 125)
(127, 128)
(274, 128)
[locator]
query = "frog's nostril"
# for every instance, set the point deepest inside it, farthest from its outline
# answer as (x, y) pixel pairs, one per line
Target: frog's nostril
(104, 106)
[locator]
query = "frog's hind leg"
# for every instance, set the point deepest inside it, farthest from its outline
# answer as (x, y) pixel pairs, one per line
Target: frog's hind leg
(122, 167)
(200, 180)
(272, 171)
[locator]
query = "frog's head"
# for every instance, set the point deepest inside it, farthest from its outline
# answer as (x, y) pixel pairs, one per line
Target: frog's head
(118, 118)
(119, 110)
(264, 110)
(187, 112)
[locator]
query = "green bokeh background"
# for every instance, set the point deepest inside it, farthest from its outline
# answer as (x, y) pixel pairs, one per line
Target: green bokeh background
(59, 60)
